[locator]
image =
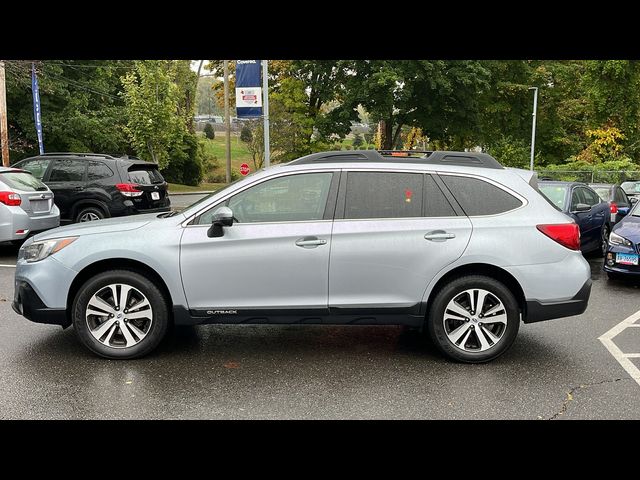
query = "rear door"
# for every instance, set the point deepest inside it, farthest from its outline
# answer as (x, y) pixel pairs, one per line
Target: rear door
(148, 179)
(393, 232)
(67, 178)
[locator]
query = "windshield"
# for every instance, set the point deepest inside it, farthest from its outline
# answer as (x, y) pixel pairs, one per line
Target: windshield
(143, 175)
(631, 188)
(23, 181)
(603, 192)
(636, 210)
(556, 194)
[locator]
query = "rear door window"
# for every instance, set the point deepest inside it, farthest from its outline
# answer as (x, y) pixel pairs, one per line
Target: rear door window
(68, 170)
(143, 175)
(22, 181)
(478, 197)
(383, 195)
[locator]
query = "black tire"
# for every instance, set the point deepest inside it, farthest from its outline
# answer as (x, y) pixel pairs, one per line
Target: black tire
(89, 211)
(604, 240)
(435, 320)
(157, 330)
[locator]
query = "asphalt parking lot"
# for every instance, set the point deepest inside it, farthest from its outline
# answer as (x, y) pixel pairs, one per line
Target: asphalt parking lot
(555, 370)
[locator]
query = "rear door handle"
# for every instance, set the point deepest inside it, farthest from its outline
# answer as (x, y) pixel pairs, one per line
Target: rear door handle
(439, 236)
(79, 188)
(310, 242)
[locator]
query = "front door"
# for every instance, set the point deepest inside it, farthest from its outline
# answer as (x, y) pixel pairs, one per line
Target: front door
(275, 256)
(396, 231)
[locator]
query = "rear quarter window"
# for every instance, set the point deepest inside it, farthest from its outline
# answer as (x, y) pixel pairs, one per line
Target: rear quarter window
(478, 197)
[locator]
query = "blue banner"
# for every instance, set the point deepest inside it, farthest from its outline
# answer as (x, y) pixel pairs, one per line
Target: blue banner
(36, 107)
(248, 90)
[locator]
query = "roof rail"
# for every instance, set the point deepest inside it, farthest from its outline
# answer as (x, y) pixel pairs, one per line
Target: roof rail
(465, 159)
(70, 154)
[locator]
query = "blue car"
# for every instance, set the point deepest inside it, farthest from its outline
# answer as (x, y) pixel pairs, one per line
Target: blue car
(588, 210)
(624, 246)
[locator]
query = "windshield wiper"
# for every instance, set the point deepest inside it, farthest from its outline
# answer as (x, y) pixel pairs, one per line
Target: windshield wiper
(167, 214)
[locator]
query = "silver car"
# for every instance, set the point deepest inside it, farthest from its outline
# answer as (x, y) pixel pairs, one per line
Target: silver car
(26, 205)
(448, 242)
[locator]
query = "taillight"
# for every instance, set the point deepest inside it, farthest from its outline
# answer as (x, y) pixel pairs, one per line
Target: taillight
(613, 207)
(129, 189)
(566, 234)
(10, 199)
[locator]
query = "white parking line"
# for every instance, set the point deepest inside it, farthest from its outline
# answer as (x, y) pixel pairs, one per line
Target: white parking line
(8, 266)
(623, 359)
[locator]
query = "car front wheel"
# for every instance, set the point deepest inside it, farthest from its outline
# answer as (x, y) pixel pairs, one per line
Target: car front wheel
(120, 314)
(474, 319)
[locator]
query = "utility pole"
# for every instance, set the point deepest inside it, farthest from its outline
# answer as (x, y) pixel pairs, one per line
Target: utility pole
(265, 112)
(4, 134)
(533, 127)
(227, 119)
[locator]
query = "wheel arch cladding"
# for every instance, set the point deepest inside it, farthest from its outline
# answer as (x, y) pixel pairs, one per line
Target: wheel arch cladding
(117, 264)
(486, 270)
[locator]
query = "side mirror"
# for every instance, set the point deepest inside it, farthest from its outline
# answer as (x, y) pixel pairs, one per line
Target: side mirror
(633, 200)
(582, 207)
(222, 217)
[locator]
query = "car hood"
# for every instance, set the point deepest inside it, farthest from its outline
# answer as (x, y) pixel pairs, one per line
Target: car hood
(629, 228)
(110, 225)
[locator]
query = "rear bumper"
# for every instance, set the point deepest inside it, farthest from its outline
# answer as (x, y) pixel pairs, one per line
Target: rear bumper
(539, 311)
(14, 219)
(27, 303)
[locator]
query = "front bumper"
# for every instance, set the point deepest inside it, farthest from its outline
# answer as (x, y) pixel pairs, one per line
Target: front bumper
(618, 267)
(27, 303)
(539, 311)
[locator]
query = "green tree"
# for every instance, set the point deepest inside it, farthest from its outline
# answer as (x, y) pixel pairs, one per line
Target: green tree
(209, 132)
(151, 99)
(357, 140)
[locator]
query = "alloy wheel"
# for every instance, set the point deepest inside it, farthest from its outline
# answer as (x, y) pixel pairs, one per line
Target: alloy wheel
(475, 320)
(89, 217)
(119, 316)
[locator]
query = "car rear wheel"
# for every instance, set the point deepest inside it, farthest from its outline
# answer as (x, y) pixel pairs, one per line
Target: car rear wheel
(120, 314)
(474, 319)
(89, 214)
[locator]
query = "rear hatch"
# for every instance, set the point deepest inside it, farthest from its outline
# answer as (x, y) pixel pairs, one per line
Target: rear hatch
(36, 198)
(149, 180)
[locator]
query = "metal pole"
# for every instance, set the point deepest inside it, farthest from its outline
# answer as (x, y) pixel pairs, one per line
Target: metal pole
(533, 128)
(227, 119)
(265, 112)
(4, 134)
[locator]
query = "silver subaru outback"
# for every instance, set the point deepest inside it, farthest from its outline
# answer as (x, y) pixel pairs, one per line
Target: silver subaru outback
(449, 242)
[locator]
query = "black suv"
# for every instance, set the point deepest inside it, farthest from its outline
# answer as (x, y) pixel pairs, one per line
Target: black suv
(89, 186)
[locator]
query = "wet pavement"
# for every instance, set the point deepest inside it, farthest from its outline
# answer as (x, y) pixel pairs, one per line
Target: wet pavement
(555, 370)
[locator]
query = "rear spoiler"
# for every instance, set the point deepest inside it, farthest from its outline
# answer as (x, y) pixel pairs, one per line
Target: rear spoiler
(527, 175)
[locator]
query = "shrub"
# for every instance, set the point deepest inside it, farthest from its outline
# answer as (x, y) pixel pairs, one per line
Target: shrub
(209, 132)
(357, 141)
(245, 134)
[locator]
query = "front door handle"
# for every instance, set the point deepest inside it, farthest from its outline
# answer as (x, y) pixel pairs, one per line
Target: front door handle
(439, 236)
(310, 242)
(79, 189)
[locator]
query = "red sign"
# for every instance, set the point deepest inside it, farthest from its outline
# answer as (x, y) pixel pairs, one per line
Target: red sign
(244, 169)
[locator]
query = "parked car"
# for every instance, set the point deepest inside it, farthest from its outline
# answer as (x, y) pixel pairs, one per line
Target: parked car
(26, 206)
(586, 208)
(632, 189)
(624, 246)
(451, 242)
(90, 186)
(619, 203)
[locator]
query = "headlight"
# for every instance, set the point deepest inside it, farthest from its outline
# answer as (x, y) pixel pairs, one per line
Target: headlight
(40, 250)
(618, 240)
